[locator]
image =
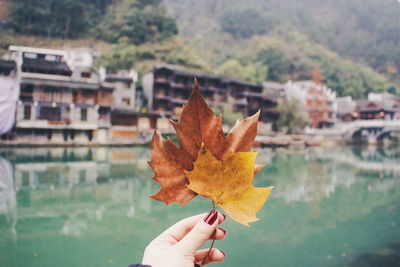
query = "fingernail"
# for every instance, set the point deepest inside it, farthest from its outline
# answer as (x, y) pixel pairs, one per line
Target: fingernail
(223, 253)
(223, 230)
(224, 216)
(211, 217)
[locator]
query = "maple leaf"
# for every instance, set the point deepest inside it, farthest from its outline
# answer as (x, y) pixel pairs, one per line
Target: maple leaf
(198, 126)
(229, 183)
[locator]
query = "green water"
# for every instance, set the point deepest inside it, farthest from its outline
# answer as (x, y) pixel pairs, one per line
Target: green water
(89, 207)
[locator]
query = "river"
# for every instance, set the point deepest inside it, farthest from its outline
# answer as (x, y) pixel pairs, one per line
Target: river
(89, 207)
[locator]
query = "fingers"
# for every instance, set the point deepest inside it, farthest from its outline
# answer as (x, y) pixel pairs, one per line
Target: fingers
(214, 255)
(176, 232)
(218, 234)
(200, 233)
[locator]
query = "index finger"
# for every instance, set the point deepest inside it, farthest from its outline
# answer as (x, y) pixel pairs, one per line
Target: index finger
(177, 231)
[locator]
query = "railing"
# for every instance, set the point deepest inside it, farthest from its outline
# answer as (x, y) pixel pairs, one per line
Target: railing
(343, 128)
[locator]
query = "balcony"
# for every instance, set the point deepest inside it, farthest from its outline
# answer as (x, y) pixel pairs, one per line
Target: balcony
(161, 79)
(178, 101)
(179, 85)
(162, 97)
(104, 123)
(241, 102)
(26, 96)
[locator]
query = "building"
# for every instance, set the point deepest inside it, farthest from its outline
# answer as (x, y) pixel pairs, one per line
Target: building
(391, 102)
(168, 87)
(344, 108)
(128, 120)
(59, 102)
(318, 100)
(62, 99)
(374, 110)
(124, 83)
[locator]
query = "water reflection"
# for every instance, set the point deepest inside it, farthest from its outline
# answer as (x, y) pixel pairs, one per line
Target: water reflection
(79, 184)
(317, 173)
(8, 201)
(83, 194)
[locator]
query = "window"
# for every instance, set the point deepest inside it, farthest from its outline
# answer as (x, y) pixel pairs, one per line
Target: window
(26, 93)
(127, 85)
(86, 74)
(27, 112)
(30, 55)
(49, 113)
(83, 114)
(127, 101)
(50, 57)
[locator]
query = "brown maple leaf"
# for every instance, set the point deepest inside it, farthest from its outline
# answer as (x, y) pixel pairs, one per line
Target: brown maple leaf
(197, 125)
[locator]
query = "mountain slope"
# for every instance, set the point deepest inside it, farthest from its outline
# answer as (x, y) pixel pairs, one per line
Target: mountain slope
(333, 33)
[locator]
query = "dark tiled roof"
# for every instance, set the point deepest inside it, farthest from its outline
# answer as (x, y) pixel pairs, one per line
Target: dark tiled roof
(45, 66)
(116, 78)
(231, 81)
(365, 105)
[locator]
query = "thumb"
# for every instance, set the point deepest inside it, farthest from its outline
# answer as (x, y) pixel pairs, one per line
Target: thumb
(200, 233)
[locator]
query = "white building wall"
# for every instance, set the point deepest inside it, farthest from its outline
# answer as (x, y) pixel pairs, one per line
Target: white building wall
(148, 83)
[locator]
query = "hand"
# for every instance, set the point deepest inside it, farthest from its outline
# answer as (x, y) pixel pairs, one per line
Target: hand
(178, 245)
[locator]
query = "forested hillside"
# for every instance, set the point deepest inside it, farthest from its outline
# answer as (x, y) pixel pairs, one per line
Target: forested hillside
(354, 43)
(298, 35)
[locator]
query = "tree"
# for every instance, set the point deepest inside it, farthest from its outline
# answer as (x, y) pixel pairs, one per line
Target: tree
(243, 23)
(228, 113)
(292, 119)
(51, 18)
(231, 68)
(274, 59)
(136, 21)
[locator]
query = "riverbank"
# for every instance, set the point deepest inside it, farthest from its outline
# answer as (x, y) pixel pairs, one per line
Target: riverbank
(272, 141)
(304, 140)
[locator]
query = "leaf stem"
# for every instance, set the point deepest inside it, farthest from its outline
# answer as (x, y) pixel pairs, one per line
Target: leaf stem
(213, 241)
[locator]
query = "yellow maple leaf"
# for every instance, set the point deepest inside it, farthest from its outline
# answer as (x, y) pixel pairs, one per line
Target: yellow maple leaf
(229, 183)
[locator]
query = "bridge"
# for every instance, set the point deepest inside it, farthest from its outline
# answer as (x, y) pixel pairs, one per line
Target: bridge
(376, 130)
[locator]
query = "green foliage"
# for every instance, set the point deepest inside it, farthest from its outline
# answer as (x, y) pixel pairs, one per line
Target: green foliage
(292, 119)
(120, 57)
(48, 18)
(273, 58)
(243, 23)
(231, 68)
(56, 18)
(353, 42)
(292, 56)
(228, 113)
(256, 72)
(253, 72)
(136, 21)
(143, 57)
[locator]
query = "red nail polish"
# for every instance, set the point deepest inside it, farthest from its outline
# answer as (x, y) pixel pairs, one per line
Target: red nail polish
(224, 216)
(223, 253)
(223, 230)
(211, 217)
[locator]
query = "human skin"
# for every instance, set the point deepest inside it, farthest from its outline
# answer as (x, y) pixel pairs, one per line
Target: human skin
(178, 246)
